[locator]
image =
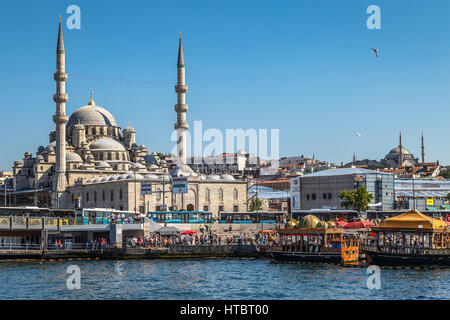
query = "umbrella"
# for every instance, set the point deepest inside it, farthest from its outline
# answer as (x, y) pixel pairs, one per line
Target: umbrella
(340, 223)
(188, 232)
(359, 224)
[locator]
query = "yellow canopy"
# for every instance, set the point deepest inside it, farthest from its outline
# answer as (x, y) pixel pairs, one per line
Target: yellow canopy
(414, 220)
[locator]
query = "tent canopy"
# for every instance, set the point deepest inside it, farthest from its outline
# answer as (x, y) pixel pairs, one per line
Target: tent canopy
(359, 224)
(413, 220)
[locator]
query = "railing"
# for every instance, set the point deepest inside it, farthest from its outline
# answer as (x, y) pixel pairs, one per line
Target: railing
(419, 250)
(63, 246)
(19, 246)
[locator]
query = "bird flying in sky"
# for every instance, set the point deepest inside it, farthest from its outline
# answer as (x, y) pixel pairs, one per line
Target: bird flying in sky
(358, 134)
(376, 51)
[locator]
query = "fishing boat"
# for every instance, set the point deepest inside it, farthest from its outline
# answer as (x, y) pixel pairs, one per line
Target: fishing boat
(411, 238)
(313, 240)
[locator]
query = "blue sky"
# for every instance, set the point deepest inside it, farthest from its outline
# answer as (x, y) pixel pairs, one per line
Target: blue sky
(304, 67)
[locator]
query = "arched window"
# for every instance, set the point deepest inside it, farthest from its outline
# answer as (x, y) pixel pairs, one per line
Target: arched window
(93, 131)
(103, 195)
(220, 194)
(120, 194)
(87, 196)
(112, 195)
(95, 196)
(235, 194)
(207, 194)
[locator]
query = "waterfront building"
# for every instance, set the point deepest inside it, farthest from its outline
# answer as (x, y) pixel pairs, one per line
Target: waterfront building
(320, 190)
(428, 195)
(91, 162)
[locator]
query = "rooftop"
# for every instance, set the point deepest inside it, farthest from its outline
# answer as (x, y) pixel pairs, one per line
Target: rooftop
(342, 172)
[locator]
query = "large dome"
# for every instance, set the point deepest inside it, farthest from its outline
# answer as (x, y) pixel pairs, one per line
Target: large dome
(92, 115)
(395, 153)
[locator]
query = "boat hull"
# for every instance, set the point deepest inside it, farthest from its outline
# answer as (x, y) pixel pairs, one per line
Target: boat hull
(323, 257)
(382, 258)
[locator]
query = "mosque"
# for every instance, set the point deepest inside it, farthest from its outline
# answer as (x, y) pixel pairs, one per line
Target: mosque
(90, 162)
(397, 157)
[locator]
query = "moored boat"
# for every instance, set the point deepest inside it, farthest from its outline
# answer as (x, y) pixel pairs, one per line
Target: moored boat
(316, 241)
(409, 239)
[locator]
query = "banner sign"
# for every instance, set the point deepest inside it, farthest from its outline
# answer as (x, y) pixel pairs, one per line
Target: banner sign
(179, 185)
(430, 201)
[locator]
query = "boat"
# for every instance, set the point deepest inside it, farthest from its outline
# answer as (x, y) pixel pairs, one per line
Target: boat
(313, 240)
(409, 239)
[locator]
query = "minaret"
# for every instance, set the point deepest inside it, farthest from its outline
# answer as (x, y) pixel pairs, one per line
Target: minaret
(181, 107)
(60, 118)
(400, 154)
(423, 151)
(354, 156)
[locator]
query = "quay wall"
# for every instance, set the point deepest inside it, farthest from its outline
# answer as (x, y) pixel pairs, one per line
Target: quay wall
(175, 251)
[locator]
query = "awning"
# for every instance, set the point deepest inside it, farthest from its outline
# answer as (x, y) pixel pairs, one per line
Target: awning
(414, 220)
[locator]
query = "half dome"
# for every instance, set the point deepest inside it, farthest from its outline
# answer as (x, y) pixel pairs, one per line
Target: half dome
(107, 144)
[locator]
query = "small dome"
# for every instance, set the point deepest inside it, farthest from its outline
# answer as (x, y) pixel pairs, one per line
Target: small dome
(102, 164)
(129, 129)
(227, 177)
(213, 177)
(133, 176)
(51, 146)
(112, 178)
(97, 180)
(152, 159)
(89, 181)
(138, 165)
(107, 144)
(290, 224)
(322, 225)
(150, 177)
(123, 177)
(73, 157)
(183, 170)
(165, 178)
(309, 222)
(92, 115)
(105, 179)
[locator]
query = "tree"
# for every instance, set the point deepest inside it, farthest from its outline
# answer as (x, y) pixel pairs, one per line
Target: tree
(256, 204)
(358, 199)
(446, 174)
(448, 197)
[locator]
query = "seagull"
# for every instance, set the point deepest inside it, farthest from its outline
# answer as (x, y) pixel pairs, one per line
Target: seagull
(376, 51)
(358, 134)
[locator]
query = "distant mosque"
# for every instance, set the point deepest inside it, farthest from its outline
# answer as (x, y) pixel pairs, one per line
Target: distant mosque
(397, 157)
(90, 162)
(401, 157)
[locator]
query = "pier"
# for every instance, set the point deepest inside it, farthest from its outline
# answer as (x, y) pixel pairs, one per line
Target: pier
(171, 252)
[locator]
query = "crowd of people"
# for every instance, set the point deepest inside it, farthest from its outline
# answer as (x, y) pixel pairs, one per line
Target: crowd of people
(204, 237)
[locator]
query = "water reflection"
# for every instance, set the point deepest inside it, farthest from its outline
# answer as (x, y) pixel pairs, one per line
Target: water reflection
(214, 279)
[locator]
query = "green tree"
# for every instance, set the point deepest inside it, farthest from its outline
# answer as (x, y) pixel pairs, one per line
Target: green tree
(448, 196)
(358, 199)
(445, 174)
(256, 204)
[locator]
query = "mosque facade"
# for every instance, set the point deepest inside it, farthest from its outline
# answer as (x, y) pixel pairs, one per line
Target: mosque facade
(90, 161)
